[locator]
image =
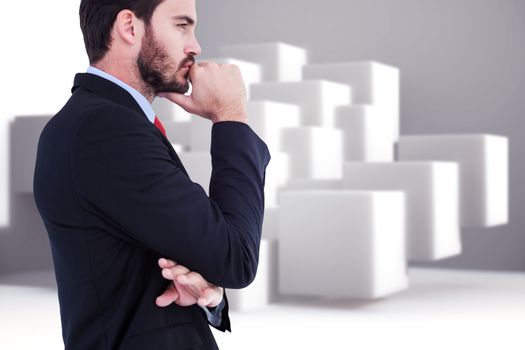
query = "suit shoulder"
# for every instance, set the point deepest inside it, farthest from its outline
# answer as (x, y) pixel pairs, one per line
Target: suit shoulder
(111, 115)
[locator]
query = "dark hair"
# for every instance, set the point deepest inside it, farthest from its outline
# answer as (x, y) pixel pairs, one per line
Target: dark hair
(98, 16)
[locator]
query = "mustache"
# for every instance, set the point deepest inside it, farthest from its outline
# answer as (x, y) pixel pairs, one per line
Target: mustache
(186, 61)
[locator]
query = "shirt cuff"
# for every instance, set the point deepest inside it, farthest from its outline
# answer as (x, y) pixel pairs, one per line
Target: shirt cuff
(214, 314)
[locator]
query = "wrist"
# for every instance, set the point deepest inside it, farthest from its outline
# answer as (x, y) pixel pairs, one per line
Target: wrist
(237, 115)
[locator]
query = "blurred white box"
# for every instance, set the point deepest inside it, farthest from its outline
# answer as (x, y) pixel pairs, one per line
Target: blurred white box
(25, 133)
(268, 119)
(432, 202)
(315, 152)
(294, 184)
(278, 61)
(314, 184)
(198, 166)
(484, 171)
(169, 111)
(178, 132)
(270, 223)
(200, 134)
(277, 173)
(365, 136)
(372, 83)
(263, 289)
(178, 148)
(317, 99)
(342, 243)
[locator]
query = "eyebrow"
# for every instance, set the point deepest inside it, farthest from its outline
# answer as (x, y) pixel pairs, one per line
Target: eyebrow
(186, 18)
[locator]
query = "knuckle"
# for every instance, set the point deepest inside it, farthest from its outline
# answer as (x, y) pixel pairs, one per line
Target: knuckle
(177, 269)
(194, 275)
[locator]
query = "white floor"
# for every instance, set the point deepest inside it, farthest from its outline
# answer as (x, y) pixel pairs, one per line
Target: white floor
(441, 309)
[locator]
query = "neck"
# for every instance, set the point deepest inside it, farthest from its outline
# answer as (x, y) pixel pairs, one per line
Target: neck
(129, 75)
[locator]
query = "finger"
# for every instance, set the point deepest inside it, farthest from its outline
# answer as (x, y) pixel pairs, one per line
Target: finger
(210, 297)
(186, 102)
(172, 272)
(169, 296)
(164, 263)
(193, 280)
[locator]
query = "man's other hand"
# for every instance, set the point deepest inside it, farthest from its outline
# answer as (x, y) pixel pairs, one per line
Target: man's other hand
(187, 287)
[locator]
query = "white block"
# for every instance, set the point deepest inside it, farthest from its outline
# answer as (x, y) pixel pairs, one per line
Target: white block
(314, 184)
(315, 153)
(200, 134)
(251, 72)
(365, 137)
(484, 169)
(268, 119)
(342, 243)
(372, 83)
(317, 99)
(177, 147)
(178, 132)
(279, 61)
(270, 223)
(432, 202)
(263, 289)
(277, 173)
(295, 184)
(167, 110)
(25, 133)
(198, 166)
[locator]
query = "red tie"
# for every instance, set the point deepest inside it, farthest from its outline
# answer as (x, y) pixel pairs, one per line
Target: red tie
(159, 125)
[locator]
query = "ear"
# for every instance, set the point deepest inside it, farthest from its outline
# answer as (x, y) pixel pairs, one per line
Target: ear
(128, 27)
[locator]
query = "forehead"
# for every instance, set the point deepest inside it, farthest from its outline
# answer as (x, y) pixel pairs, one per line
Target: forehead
(173, 8)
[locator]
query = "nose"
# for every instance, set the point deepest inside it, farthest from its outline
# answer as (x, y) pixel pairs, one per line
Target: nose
(193, 48)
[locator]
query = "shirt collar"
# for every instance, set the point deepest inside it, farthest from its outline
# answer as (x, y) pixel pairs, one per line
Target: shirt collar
(141, 100)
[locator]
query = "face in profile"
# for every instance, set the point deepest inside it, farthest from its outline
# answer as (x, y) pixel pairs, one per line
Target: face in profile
(168, 46)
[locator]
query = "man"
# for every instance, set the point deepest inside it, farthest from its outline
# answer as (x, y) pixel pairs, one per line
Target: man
(141, 254)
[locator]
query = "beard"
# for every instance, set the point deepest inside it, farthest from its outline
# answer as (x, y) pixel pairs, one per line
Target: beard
(158, 71)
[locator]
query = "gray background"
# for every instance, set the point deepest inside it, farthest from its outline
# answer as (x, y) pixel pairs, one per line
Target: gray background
(462, 71)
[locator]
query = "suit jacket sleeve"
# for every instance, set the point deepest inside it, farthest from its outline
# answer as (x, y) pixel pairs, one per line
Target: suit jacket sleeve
(125, 174)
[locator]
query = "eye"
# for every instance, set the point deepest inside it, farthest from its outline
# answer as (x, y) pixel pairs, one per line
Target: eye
(183, 25)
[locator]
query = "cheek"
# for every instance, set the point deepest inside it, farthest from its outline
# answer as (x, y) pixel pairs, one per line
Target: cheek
(175, 53)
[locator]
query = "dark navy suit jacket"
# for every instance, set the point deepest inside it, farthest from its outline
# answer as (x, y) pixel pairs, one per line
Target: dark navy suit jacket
(115, 197)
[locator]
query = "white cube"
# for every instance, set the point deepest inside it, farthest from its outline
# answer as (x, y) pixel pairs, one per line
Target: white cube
(294, 184)
(484, 168)
(198, 166)
(268, 119)
(432, 202)
(342, 243)
(314, 184)
(178, 132)
(365, 137)
(25, 134)
(317, 99)
(178, 148)
(372, 83)
(279, 61)
(277, 173)
(200, 134)
(315, 153)
(263, 289)
(270, 223)
(167, 110)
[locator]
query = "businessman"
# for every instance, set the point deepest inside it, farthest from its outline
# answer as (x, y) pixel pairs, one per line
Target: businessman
(142, 255)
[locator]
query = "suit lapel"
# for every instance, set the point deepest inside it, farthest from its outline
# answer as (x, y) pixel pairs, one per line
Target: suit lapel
(115, 93)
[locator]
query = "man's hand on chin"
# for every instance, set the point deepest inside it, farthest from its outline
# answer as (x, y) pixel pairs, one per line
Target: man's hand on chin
(187, 287)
